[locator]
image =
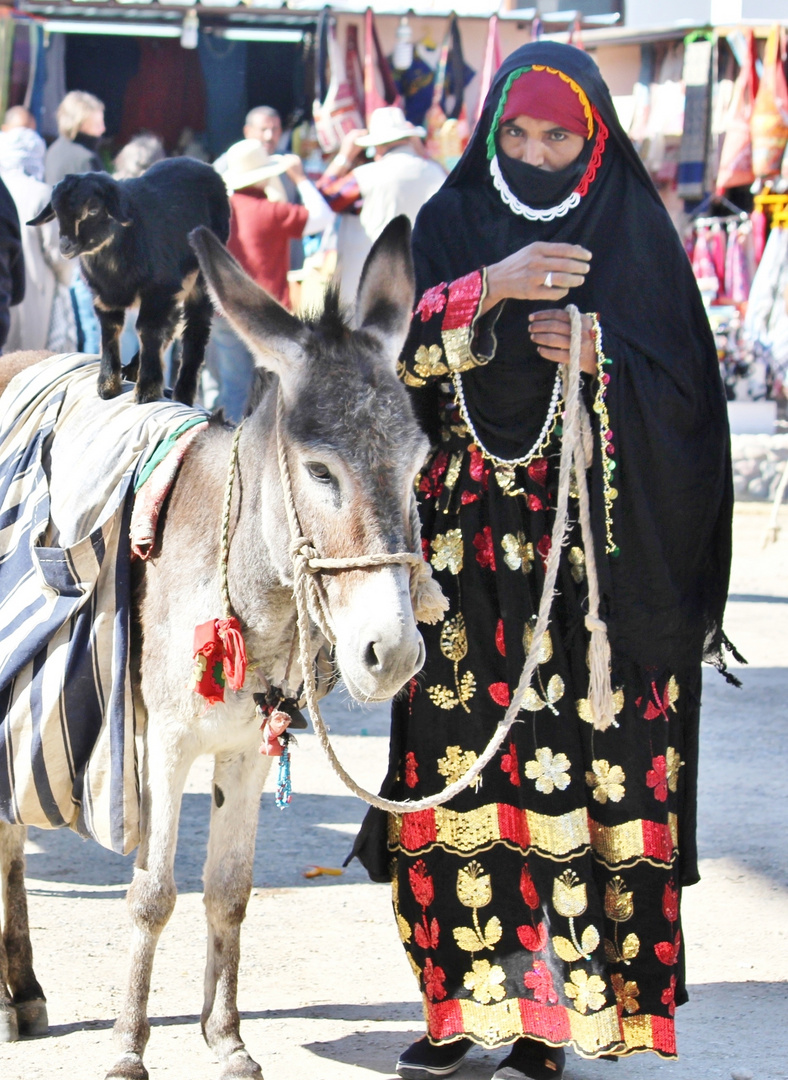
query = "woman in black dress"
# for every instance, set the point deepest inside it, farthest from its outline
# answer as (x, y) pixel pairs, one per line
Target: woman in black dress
(540, 908)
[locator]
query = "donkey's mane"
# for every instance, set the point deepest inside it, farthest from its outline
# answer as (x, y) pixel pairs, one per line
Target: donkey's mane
(332, 320)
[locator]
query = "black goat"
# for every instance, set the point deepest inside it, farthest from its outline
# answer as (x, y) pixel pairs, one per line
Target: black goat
(131, 237)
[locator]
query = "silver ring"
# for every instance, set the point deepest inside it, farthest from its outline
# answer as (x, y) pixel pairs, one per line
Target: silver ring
(548, 281)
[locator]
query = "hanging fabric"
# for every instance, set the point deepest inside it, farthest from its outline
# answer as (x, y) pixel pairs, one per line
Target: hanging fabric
(736, 158)
(379, 86)
(337, 113)
(769, 123)
(492, 61)
(354, 70)
(447, 123)
(697, 107)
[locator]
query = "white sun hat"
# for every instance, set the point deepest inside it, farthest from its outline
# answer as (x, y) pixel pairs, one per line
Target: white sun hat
(389, 125)
(248, 162)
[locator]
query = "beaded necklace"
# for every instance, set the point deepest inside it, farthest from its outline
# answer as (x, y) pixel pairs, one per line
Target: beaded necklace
(542, 438)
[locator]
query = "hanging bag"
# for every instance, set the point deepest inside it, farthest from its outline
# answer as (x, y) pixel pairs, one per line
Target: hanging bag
(736, 157)
(379, 86)
(337, 113)
(769, 124)
(447, 119)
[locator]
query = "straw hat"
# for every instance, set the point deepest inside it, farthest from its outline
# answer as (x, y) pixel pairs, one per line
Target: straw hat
(248, 162)
(389, 125)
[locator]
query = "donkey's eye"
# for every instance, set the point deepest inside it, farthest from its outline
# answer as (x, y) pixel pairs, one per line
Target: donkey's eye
(319, 471)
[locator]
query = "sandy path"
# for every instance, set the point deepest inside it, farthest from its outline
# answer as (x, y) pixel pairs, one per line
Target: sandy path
(325, 990)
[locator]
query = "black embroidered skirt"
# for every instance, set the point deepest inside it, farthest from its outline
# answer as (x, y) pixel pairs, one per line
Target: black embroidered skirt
(544, 901)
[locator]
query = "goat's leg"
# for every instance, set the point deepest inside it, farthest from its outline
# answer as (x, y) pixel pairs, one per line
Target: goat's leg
(197, 313)
(111, 320)
(27, 996)
(156, 324)
(237, 785)
(151, 895)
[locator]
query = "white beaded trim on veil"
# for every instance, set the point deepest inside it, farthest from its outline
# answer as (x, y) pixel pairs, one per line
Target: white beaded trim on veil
(517, 207)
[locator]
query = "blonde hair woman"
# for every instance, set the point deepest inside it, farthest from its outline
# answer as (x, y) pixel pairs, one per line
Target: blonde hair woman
(80, 122)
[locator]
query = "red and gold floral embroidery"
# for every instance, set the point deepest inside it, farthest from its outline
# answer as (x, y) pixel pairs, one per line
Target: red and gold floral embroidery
(447, 551)
(456, 763)
(432, 302)
(485, 549)
(519, 552)
(606, 780)
(619, 908)
(454, 646)
(462, 309)
(550, 771)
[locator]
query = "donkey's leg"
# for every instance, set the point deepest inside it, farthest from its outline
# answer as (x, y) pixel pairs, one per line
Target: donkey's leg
(27, 996)
(237, 785)
(9, 1030)
(151, 895)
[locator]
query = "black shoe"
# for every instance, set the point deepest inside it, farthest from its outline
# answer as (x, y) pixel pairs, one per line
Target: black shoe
(424, 1059)
(532, 1059)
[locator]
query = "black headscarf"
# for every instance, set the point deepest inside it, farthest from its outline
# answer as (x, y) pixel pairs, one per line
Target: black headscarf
(666, 588)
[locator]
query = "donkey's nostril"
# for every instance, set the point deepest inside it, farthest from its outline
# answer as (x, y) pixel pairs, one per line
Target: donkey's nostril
(371, 657)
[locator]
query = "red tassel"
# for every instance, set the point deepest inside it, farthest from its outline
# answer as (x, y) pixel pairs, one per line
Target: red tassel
(220, 658)
(234, 660)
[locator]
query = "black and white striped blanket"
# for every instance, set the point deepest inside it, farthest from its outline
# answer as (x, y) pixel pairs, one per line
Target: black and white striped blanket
(68, 462)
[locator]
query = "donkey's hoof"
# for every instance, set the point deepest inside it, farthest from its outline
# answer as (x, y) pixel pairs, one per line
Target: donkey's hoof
(32, 1017)
(109, 386)
(9, 1027)
(240, 1066)
(128, 1067)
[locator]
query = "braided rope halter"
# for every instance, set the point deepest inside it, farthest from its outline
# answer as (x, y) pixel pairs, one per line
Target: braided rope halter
(429, 603)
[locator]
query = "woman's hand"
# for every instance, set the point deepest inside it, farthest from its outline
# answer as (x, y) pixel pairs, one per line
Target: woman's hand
(522, 275)
(551, 332)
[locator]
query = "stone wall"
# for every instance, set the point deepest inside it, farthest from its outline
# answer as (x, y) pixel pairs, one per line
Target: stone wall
(758, 462)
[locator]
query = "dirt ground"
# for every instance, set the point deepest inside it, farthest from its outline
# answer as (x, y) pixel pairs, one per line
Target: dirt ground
(325, 990)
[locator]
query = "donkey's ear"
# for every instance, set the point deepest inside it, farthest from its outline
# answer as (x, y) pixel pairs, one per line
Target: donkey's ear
(274, 336)
(387, 289)
(43, 216)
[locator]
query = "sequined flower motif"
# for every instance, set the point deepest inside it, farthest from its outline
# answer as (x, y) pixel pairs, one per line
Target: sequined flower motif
(673, 762)
(586, 991)
(434, 978)
(456, 763)
(619, 906)
(411, 769)
(485, 981)
(540, 981)
(577, 563)
(627, 993)
(570, 896)
(485, 549)
(549, 770)
(421, 883)
(432, 302)
(474, 888)
(669, 996)
(607, 781)
(657, 777)
(447, 551)
(519, 552)
(428, 362)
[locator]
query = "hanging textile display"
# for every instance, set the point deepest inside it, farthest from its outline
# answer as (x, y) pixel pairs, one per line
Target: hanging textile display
(354, 71)
(769, 123)
(694, 142)
(416, 83)
(736, 158)
(7, 27)
(379, 86)
(335, 111)
(447, 119)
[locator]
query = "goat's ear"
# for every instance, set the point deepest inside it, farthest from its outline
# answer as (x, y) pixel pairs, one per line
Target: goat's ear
(45, 215)
(386, 293)
(275, 337)
(118, 203)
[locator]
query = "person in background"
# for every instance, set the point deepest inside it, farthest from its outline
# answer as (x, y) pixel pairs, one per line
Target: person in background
(265, 125)
(36, 323)
(80, 122)
(137, 156)
(12, 262)
(262, 225)
(18, 116)
(399, 181)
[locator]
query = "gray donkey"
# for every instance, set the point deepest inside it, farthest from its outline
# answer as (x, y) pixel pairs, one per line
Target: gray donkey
(353, 449)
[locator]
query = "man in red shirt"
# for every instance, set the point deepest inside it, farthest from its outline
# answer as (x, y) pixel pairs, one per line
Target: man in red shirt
(262, 225)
